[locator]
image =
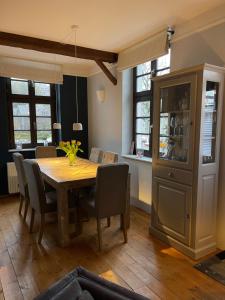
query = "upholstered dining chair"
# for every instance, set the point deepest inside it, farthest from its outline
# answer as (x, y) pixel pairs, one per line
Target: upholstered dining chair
(40, 201)
(45, 151)
(96, 155)
(23, 188)
(109, 157)
(109, 197)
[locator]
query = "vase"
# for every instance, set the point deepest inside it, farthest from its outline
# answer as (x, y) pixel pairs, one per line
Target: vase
(72, 159)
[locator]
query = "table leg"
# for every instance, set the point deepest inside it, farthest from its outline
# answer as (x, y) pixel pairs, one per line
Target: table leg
(63, 216)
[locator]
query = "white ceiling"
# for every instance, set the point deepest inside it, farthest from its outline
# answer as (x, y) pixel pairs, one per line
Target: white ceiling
(103, 24)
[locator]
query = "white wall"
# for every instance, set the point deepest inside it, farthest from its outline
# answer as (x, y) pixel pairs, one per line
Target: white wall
(110, 128)
(105, 119)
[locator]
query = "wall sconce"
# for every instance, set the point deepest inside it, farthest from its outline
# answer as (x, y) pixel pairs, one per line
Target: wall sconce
(100, 95)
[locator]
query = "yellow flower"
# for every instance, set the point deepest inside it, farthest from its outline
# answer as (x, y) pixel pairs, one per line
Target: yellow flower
(67, 143)
(73, 142)
(78, 143)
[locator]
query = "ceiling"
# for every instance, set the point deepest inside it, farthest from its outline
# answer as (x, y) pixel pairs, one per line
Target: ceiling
(104, 25)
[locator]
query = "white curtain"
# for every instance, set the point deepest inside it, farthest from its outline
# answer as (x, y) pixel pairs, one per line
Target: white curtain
(149, 49)
(26, 69)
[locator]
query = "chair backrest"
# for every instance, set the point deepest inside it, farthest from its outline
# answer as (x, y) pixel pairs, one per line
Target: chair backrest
(45, 151)
(18, 160)
(109, 157)
(111, 189)
(35, 183)
(95, 155)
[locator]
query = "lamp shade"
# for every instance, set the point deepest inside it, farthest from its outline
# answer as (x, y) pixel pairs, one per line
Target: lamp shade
(77, 126)
(57, 126)
(100, 95)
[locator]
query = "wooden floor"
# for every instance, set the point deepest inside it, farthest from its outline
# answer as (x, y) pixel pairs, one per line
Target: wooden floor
(144, 265)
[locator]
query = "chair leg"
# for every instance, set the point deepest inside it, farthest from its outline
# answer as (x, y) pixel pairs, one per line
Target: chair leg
(99, 234)
(21, 204)
(42, 225)
(26, 209)
(124, 218)
(108, 222)
(32, 220)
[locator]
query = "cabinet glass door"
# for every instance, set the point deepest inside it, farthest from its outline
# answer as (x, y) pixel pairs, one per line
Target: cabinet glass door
(175, 122)
(209, 122)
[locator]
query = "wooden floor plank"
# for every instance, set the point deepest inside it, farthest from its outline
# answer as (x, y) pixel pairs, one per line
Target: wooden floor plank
(144, 264)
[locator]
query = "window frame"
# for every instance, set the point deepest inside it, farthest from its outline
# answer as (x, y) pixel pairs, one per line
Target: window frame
(32, 100)
(139, 97)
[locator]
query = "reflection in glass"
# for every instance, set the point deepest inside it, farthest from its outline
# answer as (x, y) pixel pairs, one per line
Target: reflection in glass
(210, 122)
(43, 136)
(143, 125)
(21, 123)
(43, 123)
(22, 137)
(42, 89)
(144, 68)
(174, 122)
(43, 110)
(143, 83)
(142, 142)
(143, 109)
(19, 87)
(21, 109)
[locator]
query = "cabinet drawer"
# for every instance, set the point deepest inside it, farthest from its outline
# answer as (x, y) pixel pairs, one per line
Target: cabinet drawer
(177, 175)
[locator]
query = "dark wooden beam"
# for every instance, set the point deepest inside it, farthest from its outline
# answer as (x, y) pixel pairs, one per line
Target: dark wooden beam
(26, 42)
(106, 71)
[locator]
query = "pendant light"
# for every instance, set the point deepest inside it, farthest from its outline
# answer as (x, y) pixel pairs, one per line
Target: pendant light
(76, 126)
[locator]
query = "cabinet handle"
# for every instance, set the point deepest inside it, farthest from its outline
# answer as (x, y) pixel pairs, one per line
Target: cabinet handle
(171, 174)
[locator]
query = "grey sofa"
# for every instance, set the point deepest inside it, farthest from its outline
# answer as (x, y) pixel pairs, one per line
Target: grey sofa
(81, 284)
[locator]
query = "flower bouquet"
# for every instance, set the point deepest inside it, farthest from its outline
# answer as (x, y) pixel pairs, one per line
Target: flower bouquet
(71, 149)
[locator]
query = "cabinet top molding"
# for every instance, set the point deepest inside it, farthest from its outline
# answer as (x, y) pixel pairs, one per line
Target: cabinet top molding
(196, 68)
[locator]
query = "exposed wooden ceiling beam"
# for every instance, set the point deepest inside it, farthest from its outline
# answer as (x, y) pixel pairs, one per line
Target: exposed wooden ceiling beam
(26, 42)
(106, 71)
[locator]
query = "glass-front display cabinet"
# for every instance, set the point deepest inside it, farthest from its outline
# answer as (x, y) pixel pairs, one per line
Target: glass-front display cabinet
(186, 145)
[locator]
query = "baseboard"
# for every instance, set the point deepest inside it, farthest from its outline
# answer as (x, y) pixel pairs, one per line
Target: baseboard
(140, 204)
(187, 250)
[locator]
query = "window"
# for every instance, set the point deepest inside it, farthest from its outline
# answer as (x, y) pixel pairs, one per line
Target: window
(143, 100)
(31, 112)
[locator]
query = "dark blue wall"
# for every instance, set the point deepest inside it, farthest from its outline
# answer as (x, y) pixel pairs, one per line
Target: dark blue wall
(67, 114)
(68, 110)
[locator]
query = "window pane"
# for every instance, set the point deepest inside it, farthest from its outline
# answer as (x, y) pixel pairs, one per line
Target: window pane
(43, 110)
(22, 137)
(44, 136)
(21, 123)
(143, 125)
(21, 109)
(19, 87)
(43, 123)
(143, 83)
(144, 68)
(163, 61)
(142, 142)
(42, 89)
(143, 109)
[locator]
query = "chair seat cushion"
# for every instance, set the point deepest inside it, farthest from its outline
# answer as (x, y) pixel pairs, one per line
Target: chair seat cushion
(85, 295)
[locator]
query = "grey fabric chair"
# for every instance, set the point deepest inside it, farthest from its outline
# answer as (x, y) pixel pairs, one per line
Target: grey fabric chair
(45, 151)
(109, 157)
(96, 155)
(23, 188)
(40, 201)
(109, 197)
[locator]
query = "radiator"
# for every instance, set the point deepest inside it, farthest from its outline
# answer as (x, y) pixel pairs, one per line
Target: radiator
(13, 186)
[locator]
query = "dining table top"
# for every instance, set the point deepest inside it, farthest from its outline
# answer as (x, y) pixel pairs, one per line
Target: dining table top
(58, 171)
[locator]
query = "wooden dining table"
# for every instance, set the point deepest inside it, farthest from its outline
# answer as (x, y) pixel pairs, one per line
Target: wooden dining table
(64, 178)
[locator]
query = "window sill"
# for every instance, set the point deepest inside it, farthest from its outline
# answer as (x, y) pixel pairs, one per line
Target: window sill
(21, 150)
(134, 157)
